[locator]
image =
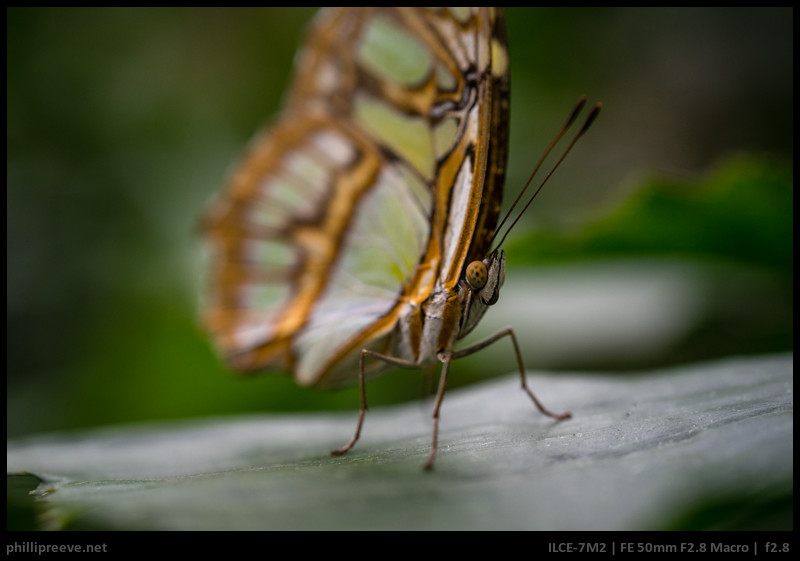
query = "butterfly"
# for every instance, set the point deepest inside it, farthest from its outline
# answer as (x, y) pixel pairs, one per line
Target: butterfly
(355, 233)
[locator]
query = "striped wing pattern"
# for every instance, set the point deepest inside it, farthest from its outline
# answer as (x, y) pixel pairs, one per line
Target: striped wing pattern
(354, 213)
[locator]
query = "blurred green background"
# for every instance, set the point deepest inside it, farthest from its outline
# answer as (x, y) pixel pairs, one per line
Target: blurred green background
(122, 124)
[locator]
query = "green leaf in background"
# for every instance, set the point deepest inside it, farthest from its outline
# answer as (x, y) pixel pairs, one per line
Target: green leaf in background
(740, 211)
(727, 235)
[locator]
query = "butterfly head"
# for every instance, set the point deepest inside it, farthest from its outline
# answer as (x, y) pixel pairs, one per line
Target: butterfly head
(487, 276)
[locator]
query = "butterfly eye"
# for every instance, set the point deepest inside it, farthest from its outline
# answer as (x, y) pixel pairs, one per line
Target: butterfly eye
(477, 275)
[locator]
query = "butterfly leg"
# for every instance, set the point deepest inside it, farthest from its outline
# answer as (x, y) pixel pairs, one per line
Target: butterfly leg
(362, 386)
(439, 396)
(510, 332)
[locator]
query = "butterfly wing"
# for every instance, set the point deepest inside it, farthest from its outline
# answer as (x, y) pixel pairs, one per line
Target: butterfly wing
(382, 174)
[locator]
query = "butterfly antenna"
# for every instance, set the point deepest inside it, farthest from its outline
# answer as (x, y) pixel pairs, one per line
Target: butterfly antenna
(570, 120)
(589, 120)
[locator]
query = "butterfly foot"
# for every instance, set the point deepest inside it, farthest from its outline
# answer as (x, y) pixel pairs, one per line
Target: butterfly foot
(344, 449)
